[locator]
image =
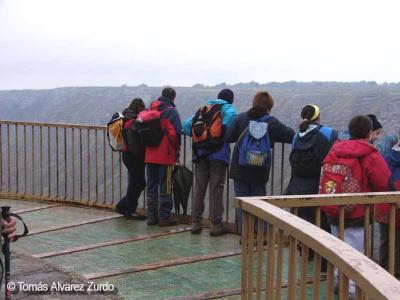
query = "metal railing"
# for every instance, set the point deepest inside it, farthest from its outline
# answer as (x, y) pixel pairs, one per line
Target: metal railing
(74, 163)
(370, 279)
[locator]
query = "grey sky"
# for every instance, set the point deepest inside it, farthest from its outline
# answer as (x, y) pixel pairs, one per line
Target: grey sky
(51, 43)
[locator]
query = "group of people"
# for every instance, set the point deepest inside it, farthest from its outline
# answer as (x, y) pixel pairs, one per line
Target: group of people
(323, 160)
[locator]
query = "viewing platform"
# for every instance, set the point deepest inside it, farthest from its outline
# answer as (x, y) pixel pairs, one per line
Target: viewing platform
(64, 181)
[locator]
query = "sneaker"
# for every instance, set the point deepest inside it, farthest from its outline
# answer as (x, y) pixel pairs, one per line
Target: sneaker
(196, 228)
(167, 222)
(218, 230)
(130, 216)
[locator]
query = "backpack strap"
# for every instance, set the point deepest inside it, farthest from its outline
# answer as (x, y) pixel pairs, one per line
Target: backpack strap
(264, 118)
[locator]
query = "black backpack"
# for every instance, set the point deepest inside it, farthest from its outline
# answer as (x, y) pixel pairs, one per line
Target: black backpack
(132, 139)
(306, 156)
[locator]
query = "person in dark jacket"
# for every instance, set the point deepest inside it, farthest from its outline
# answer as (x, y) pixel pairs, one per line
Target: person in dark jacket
(382, 212)
(134, 162)
(248, 181)
(210, 169)
(306, 169)
(160, 161)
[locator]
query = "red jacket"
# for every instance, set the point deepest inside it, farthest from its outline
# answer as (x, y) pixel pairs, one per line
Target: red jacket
(373, 176)
(167, 153)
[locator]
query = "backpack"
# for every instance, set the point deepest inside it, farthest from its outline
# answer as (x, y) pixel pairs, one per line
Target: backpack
(254, 145)
(207, 127)
(149, 126)
(345, 176)
(132, 139)
(115, 132)
(305, 157)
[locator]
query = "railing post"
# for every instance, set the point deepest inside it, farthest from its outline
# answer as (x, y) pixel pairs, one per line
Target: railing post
(270, 262)
(245, 230)
(73, 162)
(80, 164)
(96, 162)
(33, 159)
(16, 160)
(272, 170)
(279, 269)
(292, 268)
(25, 163)
(57, 165)
(65, 165)
(282, 167)
(49, 161)
(260, 252)
(104, 168)
(41, 158)
(250, 251)
(88, 164)
(8, 158)
(392, 238)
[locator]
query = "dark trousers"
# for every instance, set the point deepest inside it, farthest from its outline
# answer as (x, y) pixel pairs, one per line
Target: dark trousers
(384, 246)
(159, 191)
(136, 184)
(212, 173)
(245, 189)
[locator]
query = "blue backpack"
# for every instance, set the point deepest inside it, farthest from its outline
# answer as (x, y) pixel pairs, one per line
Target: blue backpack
(254, 145)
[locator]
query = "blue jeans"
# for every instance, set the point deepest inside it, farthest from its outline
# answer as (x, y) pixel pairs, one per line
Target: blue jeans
(245, 189)
(159, 191)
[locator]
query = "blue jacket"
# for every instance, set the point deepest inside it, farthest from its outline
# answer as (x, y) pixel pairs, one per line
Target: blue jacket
(228, 115)
(393, 161)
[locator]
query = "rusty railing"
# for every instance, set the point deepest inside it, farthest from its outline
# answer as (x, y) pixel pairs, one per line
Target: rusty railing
(74, 163)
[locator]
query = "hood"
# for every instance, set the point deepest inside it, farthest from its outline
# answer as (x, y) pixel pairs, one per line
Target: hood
(393, 158)
(166, 102)
(129, 114)
(217, 101)
(353, 148)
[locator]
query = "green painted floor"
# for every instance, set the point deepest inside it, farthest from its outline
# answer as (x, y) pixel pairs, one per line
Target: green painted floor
(185, 280)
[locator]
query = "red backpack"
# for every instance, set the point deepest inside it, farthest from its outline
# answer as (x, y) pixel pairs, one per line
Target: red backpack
(345, 175)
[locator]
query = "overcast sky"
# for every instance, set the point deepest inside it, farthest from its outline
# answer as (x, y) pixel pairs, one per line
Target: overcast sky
(54, 43)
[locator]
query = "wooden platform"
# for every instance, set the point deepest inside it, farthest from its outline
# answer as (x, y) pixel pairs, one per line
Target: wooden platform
(142, 262)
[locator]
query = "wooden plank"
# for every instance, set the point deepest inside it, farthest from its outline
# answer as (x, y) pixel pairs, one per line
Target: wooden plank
(163, 264)
(288, 201)
(112, 242)
(55, 228)
(260, 252)
(279, 268)
(27, 210)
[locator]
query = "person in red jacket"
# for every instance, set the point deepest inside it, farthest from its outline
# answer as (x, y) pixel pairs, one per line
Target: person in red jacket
(160, 161)
(353, 166)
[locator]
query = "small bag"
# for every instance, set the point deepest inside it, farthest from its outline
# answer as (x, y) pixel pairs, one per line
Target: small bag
(115, 132)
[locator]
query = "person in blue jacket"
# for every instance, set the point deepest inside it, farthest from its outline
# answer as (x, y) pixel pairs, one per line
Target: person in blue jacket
(210, 168)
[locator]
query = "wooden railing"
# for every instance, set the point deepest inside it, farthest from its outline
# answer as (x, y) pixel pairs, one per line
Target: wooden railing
(257, 277)
(74, 163)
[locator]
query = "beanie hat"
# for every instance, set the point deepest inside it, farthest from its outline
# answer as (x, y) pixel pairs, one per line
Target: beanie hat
(227, 95)
(375, 123)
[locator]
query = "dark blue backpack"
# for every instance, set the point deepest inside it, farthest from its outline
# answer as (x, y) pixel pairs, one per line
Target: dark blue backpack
(254, 145)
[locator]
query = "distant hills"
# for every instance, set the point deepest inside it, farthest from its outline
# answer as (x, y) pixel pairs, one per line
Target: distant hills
(94, 105)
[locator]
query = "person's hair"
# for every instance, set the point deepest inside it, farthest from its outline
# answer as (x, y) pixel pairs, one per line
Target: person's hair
(169, 93)
(263, 102)
(308, 116)
(137, 105)
(360, 127)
